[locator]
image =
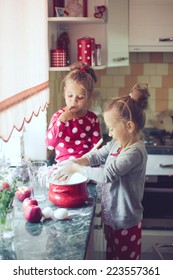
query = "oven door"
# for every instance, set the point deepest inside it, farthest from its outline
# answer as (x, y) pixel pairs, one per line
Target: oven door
(158, 202)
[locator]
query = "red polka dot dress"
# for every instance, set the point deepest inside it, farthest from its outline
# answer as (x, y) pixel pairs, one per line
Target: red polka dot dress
(73, 138)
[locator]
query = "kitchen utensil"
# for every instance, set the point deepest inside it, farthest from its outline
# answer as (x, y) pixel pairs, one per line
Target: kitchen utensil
(72, 194)
(97, 145)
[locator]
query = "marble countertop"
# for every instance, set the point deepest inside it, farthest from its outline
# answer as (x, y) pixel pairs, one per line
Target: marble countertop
(51, 239)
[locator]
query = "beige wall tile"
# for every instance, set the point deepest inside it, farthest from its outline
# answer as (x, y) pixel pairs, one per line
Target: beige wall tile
(170, 69)
(119, 81)
(130, 81)
(124, 91)
(152, 92)
(126, 70)
(151, 110)
(162, 93)
(106, 93)
(162, 69)
(168, 57)
(112, 71)
(133, 58)
(167, 81)
(143, 57)
(161, 105)
(137, 69)
(155, 81)
(156, 57)
(112, 92)
(150, 69)
(170, 98)
(161, 99)
(100, 72)
(143, 79)
(106, 81)
(150, 114)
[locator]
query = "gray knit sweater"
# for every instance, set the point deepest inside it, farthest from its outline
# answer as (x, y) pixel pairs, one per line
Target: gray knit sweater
(120, 182)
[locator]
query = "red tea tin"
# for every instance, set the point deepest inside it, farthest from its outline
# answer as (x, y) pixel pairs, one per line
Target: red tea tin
(86, 50)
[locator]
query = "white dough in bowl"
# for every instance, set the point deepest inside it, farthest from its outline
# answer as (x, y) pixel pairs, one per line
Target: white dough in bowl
(76, 178)
(61, 214)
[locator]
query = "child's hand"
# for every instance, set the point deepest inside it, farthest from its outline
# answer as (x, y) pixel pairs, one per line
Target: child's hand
(66, 169)
(67, 115)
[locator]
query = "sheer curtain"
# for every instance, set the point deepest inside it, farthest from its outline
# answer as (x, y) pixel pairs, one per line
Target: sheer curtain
(24, 86)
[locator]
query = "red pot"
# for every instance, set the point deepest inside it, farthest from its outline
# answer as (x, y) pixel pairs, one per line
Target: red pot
(68, 196)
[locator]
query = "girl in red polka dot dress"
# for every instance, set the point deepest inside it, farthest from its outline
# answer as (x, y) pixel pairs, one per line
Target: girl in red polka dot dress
(74, 130)
(119, 169)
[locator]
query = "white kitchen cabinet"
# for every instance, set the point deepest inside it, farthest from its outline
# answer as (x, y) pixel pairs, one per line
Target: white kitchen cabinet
(150, 21)
(117, 33)
(112, 33)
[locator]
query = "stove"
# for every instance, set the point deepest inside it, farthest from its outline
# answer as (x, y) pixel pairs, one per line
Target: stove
(159, 150)
(158, 142)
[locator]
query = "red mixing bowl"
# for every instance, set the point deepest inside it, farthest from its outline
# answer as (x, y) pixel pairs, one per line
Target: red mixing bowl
(68, 195)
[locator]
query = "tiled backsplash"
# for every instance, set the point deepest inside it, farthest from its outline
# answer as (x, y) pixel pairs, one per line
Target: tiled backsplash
(156, 69)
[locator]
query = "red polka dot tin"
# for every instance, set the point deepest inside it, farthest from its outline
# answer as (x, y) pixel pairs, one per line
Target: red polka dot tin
(86, 50)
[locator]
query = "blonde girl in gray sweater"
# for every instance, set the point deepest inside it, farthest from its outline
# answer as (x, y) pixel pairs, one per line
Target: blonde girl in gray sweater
(119, 169)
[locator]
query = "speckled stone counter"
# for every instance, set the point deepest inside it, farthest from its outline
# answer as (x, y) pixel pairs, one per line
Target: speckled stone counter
(51, 239)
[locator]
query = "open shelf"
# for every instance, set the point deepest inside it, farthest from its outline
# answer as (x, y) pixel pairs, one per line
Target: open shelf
(76, 20)
(68, 68)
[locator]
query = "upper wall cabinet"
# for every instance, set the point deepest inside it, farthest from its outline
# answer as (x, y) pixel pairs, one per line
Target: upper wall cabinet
(151, 25)
(117, 33)
(111, 32)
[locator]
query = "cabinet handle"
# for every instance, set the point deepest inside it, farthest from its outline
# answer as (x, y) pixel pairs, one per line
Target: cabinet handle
(166, 39)
(119, 59)
(166, 165)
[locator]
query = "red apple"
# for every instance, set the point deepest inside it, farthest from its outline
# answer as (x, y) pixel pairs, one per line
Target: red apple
(29, 201)
(33, 213)
(22, 193)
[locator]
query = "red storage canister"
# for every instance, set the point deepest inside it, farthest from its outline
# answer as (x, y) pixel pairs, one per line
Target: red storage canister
(86, 50)
(58, 58)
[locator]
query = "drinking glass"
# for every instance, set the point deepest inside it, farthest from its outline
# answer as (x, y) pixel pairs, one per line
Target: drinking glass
(37, 175)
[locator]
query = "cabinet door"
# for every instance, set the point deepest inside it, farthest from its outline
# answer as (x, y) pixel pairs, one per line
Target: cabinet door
(150, 20)
(117, 33)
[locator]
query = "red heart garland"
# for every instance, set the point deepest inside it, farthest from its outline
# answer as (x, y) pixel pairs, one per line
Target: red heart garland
(98, 15)
(101, 8)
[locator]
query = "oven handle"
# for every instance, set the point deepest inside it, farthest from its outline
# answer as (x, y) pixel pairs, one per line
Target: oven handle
(158, 190)
(166, 165)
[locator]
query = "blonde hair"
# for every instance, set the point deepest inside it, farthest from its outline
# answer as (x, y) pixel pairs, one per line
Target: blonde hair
(132, 106)
(83, 75)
